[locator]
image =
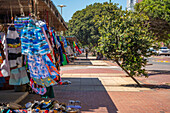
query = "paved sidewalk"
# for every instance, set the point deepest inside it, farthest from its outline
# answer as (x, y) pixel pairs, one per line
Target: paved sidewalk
(7, 96)
(107, 89)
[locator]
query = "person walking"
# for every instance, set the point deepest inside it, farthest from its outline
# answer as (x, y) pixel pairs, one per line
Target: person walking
(86, 53)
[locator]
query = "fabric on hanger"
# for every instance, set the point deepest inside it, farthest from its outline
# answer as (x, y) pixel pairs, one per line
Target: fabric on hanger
(18, 76)
(65, 43)
(36, 88)
(20, 23)
(14, 53)
(69, 50)
(60, 51)
(62, 46)
(5, 70)
(42, 70)
(33, 41)
(65, 60)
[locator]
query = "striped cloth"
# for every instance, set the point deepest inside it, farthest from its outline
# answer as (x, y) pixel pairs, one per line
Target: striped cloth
(20, 23)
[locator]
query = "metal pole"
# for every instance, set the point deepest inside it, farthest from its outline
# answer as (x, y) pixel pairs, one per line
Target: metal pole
(61, 10)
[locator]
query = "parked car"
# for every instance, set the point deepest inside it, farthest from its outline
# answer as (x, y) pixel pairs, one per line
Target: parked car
(163, 51)
(151, 50)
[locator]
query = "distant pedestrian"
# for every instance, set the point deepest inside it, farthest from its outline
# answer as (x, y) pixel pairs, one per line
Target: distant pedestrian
(86, 53)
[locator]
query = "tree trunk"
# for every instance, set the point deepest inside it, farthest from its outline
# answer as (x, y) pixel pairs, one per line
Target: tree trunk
(129, 74)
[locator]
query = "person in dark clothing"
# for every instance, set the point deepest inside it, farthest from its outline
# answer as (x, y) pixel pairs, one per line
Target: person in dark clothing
(86, 53)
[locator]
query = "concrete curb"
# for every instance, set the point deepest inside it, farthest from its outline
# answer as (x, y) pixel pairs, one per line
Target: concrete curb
(21, 97)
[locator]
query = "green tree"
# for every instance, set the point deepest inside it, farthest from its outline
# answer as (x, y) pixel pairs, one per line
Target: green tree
(125, 39)
(83, 24)
(158, 12)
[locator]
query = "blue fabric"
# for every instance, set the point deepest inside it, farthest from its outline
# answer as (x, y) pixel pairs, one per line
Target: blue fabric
(65, 42)
(39, 71)
(20, 23)
(2, 80)
(60, 50)
(13, 41)
(33, 41)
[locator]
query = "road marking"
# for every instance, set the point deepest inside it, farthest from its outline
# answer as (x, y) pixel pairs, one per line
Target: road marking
(162, 61)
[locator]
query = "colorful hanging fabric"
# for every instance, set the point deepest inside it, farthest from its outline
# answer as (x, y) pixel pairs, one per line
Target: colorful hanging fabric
(60, 50)
(69, 50)
(65, 43)
(74, 44)
(18, 76)
(37, 88)
(33, 41)
(5, 70)
(2, 54)
(20, 23)
(40, 71)
(65, 60)
(14, 48)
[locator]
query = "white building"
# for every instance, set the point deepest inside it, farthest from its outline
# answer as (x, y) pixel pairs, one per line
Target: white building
(130, 4)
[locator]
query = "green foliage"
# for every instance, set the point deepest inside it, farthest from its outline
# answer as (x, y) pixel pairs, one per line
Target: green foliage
(159, 16)
(83, 24)
(125, 38)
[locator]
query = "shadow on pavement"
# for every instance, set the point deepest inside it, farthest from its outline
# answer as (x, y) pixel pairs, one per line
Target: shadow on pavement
(151, 86)
(158, 72)
(90, 91)
(81, 62)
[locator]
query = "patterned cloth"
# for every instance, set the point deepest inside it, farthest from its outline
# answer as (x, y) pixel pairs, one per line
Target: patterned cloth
(33, 41)
(20, 23)
(38, 89)
(42, 70)
(14, 48)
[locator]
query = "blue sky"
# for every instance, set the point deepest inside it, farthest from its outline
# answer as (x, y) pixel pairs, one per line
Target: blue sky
(74, 5)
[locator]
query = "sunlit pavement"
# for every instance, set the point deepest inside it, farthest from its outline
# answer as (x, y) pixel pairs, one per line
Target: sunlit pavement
(102, 87)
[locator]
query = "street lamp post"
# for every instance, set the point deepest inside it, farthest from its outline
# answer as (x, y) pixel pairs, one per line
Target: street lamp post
(61, 6)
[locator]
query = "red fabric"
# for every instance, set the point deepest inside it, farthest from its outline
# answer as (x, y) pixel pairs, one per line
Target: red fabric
(77, 49)
(1, 74)
(49, 56)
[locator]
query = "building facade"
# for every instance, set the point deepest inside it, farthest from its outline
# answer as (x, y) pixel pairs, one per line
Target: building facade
(131, 3)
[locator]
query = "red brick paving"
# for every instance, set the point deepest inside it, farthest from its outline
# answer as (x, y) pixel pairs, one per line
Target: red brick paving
(154, 101)
(84, 71)
(142, 102)
(110, 102)
(157, 79)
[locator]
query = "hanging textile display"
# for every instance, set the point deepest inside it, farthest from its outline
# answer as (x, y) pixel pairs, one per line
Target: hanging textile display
(14, 47)
(5, 70)
(69, 50)
(33, 41)
(60, 50)
(20, 23)
(18, 76)
(75, 46)
(35, 45)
